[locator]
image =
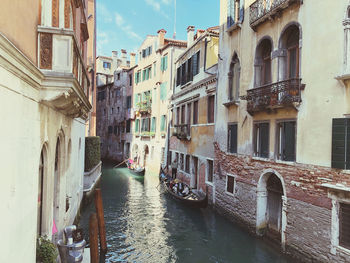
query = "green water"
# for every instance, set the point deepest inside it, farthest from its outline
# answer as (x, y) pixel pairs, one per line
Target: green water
(144, 224)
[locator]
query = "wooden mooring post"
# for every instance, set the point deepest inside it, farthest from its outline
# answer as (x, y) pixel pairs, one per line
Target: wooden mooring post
(101, 220)
(93, 236)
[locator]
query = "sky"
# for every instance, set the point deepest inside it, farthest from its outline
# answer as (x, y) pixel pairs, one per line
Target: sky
(124, 24)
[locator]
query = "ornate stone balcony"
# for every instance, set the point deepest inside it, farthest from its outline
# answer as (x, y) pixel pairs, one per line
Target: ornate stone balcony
(262, 10)
(282, 94)
(182, 131)
(66, 81)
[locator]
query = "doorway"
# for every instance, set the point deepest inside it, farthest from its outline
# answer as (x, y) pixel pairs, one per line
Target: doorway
(194, 177)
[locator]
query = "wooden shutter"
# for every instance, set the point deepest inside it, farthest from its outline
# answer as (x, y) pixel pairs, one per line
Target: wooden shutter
(165, 62)
(190, 70)
(241, 11)
(232, 138)
(178, 76)
(264, 139)
(338, 143)
(161, 64)
(195, 112)
(230, 12)
(344, 225)
(153, 129)
(288, 141)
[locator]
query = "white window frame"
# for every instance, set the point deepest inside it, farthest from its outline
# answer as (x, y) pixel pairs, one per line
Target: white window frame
(234, 184)
(207, 171)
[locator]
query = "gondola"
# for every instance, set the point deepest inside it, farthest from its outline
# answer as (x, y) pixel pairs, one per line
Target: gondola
(137, 171)
(194, 198)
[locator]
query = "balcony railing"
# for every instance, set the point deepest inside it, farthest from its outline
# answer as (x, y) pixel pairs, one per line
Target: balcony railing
(144, 107)
(275, 95)
(182, 131)
(262, 10)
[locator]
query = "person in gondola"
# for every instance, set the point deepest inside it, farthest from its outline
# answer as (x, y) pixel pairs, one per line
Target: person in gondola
(174, 168)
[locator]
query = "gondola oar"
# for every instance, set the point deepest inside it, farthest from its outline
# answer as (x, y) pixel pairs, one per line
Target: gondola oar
(120, 163)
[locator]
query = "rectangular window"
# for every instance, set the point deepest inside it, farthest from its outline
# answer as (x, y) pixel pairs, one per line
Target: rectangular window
(187, 167)
(164, 63)
(128, 102)
(110, 129)
(261, 139)
(106, 65)
(163, 91)
(137, 126)
(178, 76)
(128, 124)
(115, 129)
(286, 140)
(189, 115)
(118, 76)
(195, 112)
(163, 123)
(232, 138)
(130, 80)
(182, 161)
(230, 184)
(145, 125)
(195, 63)
(210, 171)
(344, 225)
(211, 108)
(178, 115)
(183, 112)
(341, 143)
(153, 128)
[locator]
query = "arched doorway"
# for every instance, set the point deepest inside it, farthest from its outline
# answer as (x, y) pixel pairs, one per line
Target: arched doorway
(271, 206)
(42, 182)
(146, 154)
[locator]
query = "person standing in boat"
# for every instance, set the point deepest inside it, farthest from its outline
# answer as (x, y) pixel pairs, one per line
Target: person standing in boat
(174, 168)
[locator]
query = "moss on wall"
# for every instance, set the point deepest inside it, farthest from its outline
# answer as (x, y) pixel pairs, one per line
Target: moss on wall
(92, 152)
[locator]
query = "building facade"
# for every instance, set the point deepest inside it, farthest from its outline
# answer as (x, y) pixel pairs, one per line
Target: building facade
(152, 91)
(281, 123)
(43, 87)
(91, 66)
(193, 109)
(115, 110)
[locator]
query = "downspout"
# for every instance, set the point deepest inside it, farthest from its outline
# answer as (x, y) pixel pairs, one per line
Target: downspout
(168, 130)
(205, 57)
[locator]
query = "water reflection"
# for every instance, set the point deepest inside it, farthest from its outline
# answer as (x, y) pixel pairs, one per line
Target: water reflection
(145, 225)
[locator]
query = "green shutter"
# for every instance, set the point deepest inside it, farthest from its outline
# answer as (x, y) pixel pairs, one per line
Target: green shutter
(339, 127)
(264, 139)
(161, 64)
(165, 62)
(163, 91)
(137, 126)
(289, 141)
(153, 129)
(162, 123)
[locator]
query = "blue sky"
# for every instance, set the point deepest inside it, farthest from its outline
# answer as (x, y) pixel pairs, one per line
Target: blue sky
(124, 24)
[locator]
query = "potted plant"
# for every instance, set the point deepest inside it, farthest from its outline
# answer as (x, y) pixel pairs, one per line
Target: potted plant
(46, 251)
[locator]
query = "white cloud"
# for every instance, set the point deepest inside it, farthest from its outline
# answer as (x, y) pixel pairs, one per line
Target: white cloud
(155, 4)
(127, 29)
(119, 19)
(104, 13)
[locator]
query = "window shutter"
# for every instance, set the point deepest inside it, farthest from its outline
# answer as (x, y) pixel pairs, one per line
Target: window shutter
(264, 139)
(289, 141)
(178, 76)
(241, 11)
(165, 62)
(232, 133)
(161, 64)
(153, 124)
(136, 78)
(230, 12)
(338, 143)
(194, 64)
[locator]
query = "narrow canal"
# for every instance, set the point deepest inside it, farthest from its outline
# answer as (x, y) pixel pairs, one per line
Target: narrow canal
(143, 224)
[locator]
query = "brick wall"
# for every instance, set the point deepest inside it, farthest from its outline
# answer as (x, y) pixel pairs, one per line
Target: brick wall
(308, 230)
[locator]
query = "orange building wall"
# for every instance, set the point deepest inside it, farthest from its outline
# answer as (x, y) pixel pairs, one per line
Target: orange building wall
(18, 22)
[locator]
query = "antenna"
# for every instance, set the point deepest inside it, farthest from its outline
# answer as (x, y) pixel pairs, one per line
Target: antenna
(174, 36)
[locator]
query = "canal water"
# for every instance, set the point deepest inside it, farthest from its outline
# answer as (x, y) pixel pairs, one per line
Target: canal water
(144, 224)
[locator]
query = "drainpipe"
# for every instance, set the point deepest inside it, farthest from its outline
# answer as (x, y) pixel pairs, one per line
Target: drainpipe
(205, 57)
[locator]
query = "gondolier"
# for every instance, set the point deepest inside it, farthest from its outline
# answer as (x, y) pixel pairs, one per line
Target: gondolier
(174, 168)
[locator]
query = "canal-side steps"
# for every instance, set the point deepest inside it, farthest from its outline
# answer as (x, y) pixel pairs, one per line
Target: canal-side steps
(91, 178)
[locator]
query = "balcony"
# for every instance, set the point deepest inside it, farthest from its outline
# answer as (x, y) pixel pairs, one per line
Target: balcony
(182, 131)
(282, 94)
(144, 107)
(262, 10)
(65, 77)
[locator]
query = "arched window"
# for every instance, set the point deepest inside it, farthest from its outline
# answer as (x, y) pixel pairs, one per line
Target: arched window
(234, 79)
(289, 65)
(263, 63)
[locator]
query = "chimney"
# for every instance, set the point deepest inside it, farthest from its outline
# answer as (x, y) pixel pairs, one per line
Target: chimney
(123, 57)
(199, 33)
(161, 35)
(190, 35)
(114, 55)
(132, 59)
